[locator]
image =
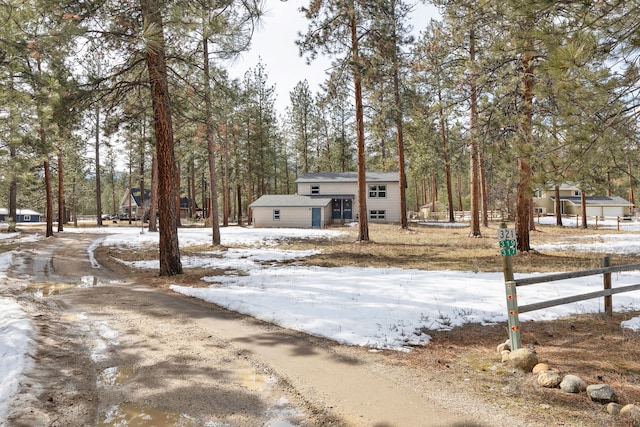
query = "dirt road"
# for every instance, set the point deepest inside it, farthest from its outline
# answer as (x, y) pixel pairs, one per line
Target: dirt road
(112, 350)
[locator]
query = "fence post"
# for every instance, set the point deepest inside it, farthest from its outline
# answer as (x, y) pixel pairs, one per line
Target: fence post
(512, 301)
(608, 300)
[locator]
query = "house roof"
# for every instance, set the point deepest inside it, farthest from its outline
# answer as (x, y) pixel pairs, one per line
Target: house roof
(135, 193)
(597, 201)
(347, 177)
(5, 211)
(289, 201)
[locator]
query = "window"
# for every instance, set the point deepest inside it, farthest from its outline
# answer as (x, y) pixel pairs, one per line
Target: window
(538, 210)
(378, 191)
(576, 192)
(537, 193)
(377, 215)
(315, 189)
(26, 218)
(276, 214)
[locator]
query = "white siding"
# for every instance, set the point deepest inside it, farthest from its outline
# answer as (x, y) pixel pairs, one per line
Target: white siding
(613, 211)
(331, 188)
(390, 204)
(593, 211)
(290, 217)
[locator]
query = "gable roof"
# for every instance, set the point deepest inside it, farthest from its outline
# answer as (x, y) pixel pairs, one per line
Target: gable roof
(597, 201)
(326, 177)
(5, 211)
(289, 201)
(135, 193)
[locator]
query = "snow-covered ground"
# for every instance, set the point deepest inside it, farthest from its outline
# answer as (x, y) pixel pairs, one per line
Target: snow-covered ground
(375, 307)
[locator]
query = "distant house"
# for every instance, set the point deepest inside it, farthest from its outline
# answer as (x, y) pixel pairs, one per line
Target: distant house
(22, 215)
(571, 203)
(140, 204)
(383, 194)
(137, 201)
(282, 211)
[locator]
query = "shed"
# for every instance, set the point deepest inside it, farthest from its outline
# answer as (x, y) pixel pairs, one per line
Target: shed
(22, 215)
(291, 211)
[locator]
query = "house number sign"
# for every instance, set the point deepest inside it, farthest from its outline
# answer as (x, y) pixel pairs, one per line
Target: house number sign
(507, 241)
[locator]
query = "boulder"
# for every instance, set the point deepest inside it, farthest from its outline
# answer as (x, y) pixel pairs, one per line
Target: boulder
(573, 384)
(549, 379)
(540, 367)
(523, 358)
(504, 346)
(631, 410)
(614, 408)
(601, 393)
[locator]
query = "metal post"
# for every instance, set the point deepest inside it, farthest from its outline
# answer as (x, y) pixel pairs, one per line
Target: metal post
(513, 320)
(608, 300)
(512, 301)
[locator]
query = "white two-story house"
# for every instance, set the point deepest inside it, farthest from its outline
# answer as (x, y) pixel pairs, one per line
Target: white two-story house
(330, 197)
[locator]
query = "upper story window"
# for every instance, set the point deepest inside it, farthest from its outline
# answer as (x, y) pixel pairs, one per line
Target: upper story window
(378, 191)
(576, 192)
(315, 189)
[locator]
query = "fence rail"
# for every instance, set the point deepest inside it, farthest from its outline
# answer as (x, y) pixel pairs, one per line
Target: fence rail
(514, 309)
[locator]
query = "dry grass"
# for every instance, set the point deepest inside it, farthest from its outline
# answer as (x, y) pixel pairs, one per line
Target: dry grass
(453, 249)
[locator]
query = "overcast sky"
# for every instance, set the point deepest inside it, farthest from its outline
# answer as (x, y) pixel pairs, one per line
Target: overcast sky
(275, 44)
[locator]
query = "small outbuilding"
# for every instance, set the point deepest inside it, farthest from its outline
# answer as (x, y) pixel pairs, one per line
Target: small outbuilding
(22, 215)
(291, 211)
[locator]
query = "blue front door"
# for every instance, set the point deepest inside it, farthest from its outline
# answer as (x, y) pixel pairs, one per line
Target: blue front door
(316, 217)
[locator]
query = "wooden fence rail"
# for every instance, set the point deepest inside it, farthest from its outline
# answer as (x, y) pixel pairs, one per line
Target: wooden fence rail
(514, 308)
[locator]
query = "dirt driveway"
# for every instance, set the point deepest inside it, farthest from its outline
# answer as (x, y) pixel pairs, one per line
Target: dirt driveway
(114, 350)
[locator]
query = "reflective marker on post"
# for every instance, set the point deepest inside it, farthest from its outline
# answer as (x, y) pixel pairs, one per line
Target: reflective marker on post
(514, 321)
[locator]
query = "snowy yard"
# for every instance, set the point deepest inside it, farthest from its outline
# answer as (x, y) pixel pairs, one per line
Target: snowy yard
(382, 308)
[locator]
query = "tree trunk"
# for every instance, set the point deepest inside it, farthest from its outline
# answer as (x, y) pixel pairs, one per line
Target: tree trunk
(558, 205)
(130, 189)
(177, 196)
(525, 145)
(399, 128)
(446, 157)
(13, 190)
(459, 181)
(49, 196)
(474, 166)
(226, 190)
(632, 198)
(98, 186)
(61, 212)
(142, 192)
(363, 231)
(211, 147)
(153, 197)
(583, 203)
(170, 263)
(239, 201)
(484, 193)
